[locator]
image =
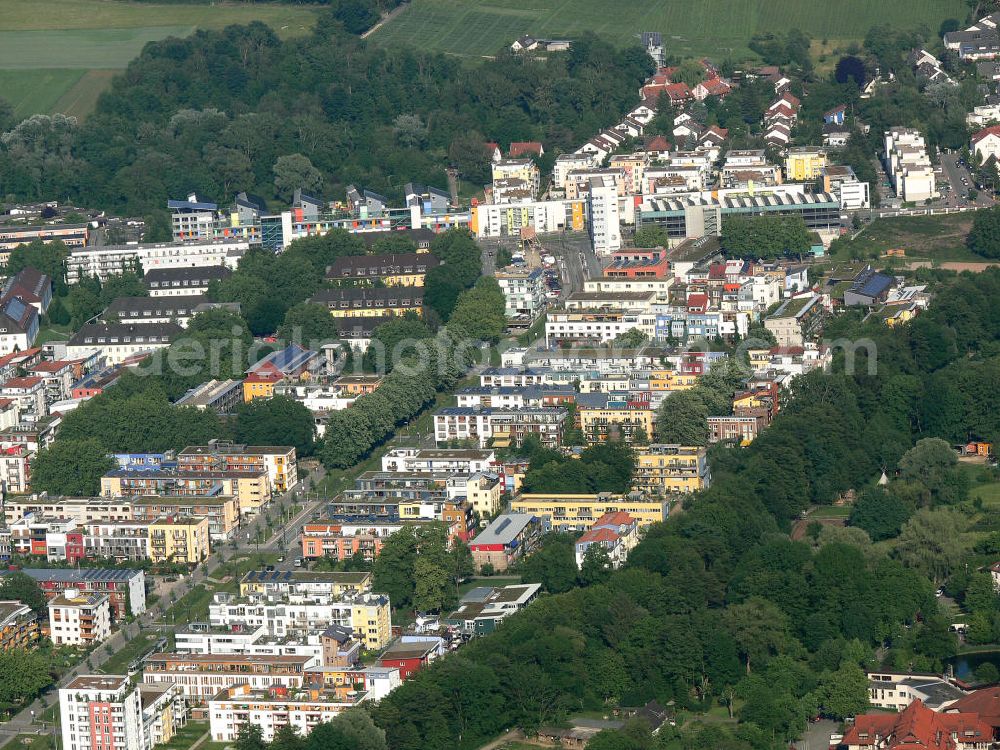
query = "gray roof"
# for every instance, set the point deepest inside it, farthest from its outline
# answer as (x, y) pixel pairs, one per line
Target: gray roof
(160, 278)
(95, 334)
(504, 529)
(69, 575)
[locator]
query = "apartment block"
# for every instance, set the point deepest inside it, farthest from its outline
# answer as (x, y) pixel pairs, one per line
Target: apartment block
(499, 427)
(200, 677)
(79, 619)
(301, 709)
(279, 460)
(222, 512)
(908, 165)
(571, 512)
(18, 625)
(664, 470)
(282, 583)
(179, 539)
(126, 587)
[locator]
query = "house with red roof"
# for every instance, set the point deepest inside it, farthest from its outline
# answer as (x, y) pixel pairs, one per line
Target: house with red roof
(986, 142)
(677, 93)
(657, 146)
(916, 727)
(712, 87)
(697, 303)
(617, 532)
(27, 392)
(520, 149)
(985, 703)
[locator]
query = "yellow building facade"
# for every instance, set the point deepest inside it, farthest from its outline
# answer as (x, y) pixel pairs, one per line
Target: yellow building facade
(578, 512)
(179, 539)
(627, 422)
(804, 164)
(671, 469)
(371, 622)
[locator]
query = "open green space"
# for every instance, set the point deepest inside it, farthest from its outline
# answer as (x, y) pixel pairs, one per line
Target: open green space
(187, 735)
(32, 742)
(719, 28)
(120, 661)
(32, 91)
(61, 61)
(936, 238)
(830, 511)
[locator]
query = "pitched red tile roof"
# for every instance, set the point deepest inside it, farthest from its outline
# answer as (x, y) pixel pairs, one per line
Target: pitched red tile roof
(985, 702)
(599, 535)
(916, 727)
(29, 381)
(658, 143)
(991, 130)
(520, 148)
(697, 300)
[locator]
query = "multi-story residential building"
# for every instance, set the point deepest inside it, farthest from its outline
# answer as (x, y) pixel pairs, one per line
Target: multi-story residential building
(102, 712)
(283, 583)
(15, 469)
(617, 532)
(233, 708)
(506, 540)
(121, 541)
(367, 614)
(79, 509)
(18, 625)
(183, 281)
(518, 169)
(250, 488)
(121, 341)
(177, 309)
(57, 379)
(456, 460)
(352, 302)
(571, 512)
(113, 260)
(78, 619)
(279, 460)
(603, 212)
(894, 691)
(595, 326)
(18, 325)
(636, 264)
(222, 512)
(180, 539)
(908, 165)
(342, 541)
(498, 427)
(804, 163)
(524, 292)
(126, 587)
(796, 319)
(663, 469)
(741, 429)
(603, 418)
(200, 677)
(403, 269)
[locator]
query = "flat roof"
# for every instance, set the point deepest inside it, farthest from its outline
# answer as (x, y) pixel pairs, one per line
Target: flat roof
(98, 682)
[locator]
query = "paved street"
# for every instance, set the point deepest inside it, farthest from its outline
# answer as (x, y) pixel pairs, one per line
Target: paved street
(817, 736)
(284, 540)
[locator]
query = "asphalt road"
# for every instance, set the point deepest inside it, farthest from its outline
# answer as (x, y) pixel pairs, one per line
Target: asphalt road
(817, 736)
(953, 174)
(285, 540)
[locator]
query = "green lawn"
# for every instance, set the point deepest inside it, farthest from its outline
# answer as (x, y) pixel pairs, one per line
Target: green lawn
(134, 649)
(719, 28)
(32, 742)
(34, 91)
(186, 736)
(939, 238)
(61, 61)
(53, 332)
(830, 511)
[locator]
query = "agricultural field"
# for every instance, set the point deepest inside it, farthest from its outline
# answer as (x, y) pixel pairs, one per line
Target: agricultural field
(61, 61)
(717, 28)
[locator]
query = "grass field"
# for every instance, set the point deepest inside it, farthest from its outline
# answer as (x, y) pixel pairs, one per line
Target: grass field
(719, 28)
(61, 61)
(939, 238)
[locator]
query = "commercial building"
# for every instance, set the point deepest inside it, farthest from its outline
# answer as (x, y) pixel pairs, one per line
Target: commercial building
(126, 587)
(301, 709)
(508, 538)
(578, 512)
(663, 469)
(78, 619)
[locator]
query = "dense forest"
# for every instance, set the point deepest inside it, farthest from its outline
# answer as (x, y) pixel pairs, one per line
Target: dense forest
(719, 606)
(239, 109)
